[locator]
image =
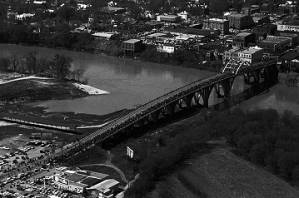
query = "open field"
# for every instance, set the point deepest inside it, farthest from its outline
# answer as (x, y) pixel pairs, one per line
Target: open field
(221, 174)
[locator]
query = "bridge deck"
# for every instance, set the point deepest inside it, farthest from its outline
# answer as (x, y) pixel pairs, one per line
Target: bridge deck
(168, 98)
(160, 102)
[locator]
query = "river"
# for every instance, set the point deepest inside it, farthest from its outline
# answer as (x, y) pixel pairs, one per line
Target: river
(129, 82)
(133, 82)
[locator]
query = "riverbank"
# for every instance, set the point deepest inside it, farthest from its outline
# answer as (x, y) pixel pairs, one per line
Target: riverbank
(19, 88)
(144, 56)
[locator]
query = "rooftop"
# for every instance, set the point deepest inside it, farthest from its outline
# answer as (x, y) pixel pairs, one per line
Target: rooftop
(252, 50)
(73, 176)
(104, 34)
(238, 15)
(217, 20)
(169, 16)
(90, 181)
(243, 34)
(107, 184)
(132, 41)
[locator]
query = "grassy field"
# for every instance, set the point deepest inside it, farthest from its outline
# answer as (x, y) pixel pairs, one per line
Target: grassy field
(221, 174)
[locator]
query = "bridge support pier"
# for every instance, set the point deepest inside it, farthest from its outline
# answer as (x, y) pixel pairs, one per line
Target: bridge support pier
(205, 95)
(154, 117)
(169, 109)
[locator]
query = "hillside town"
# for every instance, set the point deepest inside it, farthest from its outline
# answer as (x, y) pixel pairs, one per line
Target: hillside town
(213, 35)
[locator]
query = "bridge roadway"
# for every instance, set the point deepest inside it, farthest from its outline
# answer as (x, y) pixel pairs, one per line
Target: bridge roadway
(159, 103)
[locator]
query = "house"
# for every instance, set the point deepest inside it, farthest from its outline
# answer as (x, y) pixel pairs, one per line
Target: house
(244, 39)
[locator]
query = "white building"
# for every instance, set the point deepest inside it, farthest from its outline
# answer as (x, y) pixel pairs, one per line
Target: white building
(24, 16)
(293, 28)
(251, 55)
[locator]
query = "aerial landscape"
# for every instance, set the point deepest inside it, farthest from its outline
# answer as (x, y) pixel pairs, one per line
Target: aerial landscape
(149, 99)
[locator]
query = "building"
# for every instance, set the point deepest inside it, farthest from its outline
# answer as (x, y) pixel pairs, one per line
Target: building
(293, 36)
(105, 35)
(276, 44)
(290, 28)
(77, 181)
(168, 18)
(183, 15)
(113, 10)
(244, 39)
(259, 18)
(251, 10)
(131, 46)
(216, 24)
(106, 189)
(169, 49)
(251, 55)
(231, 54)
(24, 16)
(240, 21)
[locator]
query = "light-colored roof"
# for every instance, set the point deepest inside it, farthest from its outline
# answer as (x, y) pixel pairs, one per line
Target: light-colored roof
(243, 34)
(217, 20)
(107, 35)
(157, 34)
(132, 41)
(251, 50)
(104, 185)
(169, 16)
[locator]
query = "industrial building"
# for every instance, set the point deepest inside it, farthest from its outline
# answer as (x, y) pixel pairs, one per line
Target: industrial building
(82, 181)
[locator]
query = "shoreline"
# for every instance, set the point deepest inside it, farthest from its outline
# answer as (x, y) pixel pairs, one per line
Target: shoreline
(136, 58)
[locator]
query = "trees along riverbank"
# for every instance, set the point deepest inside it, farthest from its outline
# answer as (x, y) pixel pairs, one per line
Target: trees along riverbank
(263, 137)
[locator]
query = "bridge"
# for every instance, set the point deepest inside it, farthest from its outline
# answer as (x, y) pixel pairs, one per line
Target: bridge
(197, 93)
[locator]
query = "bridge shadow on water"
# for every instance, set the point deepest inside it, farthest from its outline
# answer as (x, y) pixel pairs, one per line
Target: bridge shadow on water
(227, 103)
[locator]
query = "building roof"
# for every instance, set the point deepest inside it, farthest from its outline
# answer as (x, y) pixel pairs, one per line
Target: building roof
(216, 20)
(237, 15)
(169, 16)
(244, 34)
(107, 35)
(252, 50)
(75, 177)
(155, 35)
(90, 181)
(104, 185)
(132, 41)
